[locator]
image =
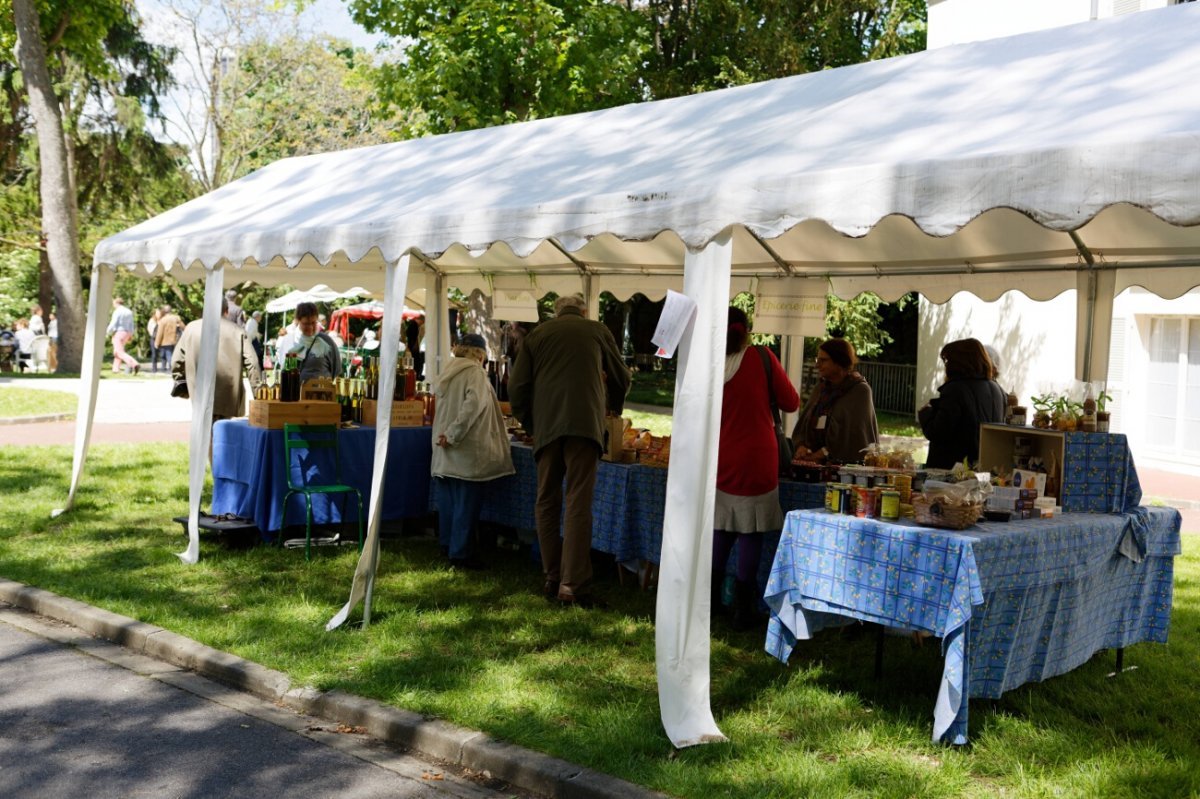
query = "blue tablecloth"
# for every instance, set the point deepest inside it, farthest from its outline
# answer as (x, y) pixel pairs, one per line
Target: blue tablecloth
(1098, 474)
(627, 508)
(249, 478)
(1012, 603)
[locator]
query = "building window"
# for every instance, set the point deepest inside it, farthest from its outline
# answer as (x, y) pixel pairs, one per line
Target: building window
(1173, 386)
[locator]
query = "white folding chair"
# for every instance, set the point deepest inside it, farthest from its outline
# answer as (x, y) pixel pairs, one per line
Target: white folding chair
(39, 354)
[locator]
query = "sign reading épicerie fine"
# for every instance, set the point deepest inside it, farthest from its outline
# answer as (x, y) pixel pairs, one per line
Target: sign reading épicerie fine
(790, 307)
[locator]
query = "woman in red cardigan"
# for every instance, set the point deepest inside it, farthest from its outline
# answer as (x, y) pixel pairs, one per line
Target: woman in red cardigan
(747, 465)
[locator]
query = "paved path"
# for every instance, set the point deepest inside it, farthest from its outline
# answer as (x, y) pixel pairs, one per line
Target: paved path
(86, 718)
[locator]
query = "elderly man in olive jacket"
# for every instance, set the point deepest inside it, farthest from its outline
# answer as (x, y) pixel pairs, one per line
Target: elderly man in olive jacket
(568, 374)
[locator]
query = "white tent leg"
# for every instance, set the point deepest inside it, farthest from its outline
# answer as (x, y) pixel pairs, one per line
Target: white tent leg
(437, 325)
(200, 435)
(389, 349)
(1093, 322)
(682, 615)
(99, 299)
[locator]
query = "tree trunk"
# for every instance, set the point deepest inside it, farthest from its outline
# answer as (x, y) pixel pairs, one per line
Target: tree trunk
(59, 214)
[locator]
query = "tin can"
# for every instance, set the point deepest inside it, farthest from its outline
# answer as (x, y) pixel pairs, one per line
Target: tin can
(889, 505)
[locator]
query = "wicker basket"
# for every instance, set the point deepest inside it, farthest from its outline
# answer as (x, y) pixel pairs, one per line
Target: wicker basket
(939, 514)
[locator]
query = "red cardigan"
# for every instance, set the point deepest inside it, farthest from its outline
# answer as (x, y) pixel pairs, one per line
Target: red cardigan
(748, 459)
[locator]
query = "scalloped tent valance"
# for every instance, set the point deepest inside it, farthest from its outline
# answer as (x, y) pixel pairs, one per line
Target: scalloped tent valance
(1062, 159)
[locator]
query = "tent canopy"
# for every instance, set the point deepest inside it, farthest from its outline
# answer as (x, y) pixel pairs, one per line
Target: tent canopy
(318, 293)
(339, 321)
(941, 171)
(1064, 159)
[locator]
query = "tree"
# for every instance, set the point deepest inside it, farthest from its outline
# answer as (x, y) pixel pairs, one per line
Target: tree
(69, 53)
(709, 44)
(255, 87)
(475, 63)
(59, 214)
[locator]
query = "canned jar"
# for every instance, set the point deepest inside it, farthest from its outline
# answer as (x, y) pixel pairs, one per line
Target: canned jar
(890, 505)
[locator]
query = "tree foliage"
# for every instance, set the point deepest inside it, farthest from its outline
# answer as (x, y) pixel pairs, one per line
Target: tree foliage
(475, 63)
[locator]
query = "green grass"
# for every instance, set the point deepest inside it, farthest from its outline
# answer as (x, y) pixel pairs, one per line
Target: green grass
(17, 402)
(482, 650)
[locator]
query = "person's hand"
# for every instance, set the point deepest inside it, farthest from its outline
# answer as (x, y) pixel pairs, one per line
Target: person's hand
(442, 442)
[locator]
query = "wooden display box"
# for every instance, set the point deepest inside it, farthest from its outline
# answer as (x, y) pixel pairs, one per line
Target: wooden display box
(405, 413)
(997, 441)
(274, 414)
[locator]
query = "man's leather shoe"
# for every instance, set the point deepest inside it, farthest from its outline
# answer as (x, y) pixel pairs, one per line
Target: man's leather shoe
(584, 601)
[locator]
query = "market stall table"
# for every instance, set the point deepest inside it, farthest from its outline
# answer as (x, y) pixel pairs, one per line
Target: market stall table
(1012, 602)
(249, 478)
(627, 507)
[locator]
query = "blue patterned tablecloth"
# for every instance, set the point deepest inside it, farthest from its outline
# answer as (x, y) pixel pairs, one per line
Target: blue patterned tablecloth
(1098, 474)
(250, 480)
(1012, 603)
(627, 508)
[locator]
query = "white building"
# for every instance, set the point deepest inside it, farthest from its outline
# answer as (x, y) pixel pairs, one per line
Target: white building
(1154, 358)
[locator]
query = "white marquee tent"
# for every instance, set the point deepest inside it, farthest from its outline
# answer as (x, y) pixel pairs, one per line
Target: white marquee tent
(1064, 159)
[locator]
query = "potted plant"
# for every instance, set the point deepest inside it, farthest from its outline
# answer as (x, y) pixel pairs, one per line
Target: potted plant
(1102, 415)
(1042, 405)
(1065, 414)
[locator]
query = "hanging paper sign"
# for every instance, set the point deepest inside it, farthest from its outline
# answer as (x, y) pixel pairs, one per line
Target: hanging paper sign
(790, 308)
(677, 313)
(514, 306)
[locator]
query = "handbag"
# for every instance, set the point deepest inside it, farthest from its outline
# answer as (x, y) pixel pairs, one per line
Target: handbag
(781, 439)
(180, 389)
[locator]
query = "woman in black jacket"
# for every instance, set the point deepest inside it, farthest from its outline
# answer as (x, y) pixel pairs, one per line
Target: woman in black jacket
(969, 397)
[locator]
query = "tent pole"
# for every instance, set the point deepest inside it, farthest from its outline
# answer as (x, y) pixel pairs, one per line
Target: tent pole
(1090, 311)
(361, 589)
(681, 631)
(92, 362)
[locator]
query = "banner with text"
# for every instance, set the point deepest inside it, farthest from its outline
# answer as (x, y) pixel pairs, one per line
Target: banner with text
(790, 307)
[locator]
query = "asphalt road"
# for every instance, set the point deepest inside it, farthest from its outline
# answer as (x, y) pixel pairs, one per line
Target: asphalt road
(85, 718)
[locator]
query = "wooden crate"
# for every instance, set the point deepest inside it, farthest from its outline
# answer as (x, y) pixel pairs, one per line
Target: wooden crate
(996, 448)
(274, 414)
(405, 413)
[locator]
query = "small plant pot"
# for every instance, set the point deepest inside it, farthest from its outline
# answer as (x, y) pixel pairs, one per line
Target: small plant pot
(1041, 420)
(1102, 419)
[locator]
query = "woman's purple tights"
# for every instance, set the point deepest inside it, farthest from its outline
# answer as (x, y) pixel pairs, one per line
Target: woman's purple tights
(749, 552)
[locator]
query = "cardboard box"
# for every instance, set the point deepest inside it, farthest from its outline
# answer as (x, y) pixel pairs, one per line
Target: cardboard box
(405, 413)
(274, 414)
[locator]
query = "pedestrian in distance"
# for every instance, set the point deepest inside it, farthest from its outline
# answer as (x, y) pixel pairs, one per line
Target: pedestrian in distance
(121, 328)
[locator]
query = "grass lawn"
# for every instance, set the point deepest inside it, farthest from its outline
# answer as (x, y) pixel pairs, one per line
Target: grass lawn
(481, 650)
(16, 402)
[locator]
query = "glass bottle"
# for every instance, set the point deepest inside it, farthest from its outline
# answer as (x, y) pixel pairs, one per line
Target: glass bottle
(291, 380)
(1088, 421)
(410, 377)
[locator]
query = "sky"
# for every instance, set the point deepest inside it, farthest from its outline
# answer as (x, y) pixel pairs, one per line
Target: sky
(184, 107)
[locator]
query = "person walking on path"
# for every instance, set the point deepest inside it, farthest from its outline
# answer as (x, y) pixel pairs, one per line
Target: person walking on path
(569, 371)
(170, 326)
(120, 327)
(470, 448)
(151, 331)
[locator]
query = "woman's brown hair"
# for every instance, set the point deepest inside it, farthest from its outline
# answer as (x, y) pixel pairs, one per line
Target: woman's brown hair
(841, 352)
(966, 359)
(737, 332)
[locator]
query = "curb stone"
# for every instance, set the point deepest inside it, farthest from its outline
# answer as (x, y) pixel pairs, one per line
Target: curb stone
(48, 417)
(523, 768)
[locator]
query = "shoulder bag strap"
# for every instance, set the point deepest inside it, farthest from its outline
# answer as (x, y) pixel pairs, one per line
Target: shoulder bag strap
(766, 362)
